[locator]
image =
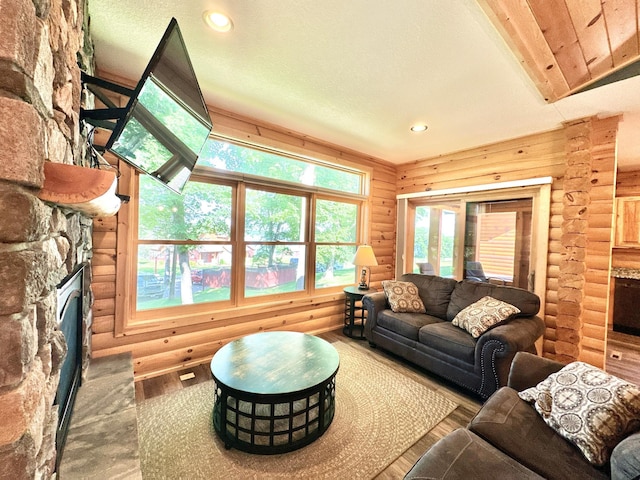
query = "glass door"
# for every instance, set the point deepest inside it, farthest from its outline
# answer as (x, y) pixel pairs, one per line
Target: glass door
(435, 239)
(482, 240)
(497, 246)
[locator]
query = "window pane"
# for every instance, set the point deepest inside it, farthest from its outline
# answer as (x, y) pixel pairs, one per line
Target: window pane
(235, 158)
(498, 241)
(433, 248)
(447, 241)
(422, 257)
(170, 275)
(333, 265)
(273, 269)
(336, 222)
(202, 212)
(274, 217)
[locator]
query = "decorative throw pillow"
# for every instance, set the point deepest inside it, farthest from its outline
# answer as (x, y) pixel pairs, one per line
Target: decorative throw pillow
(403, 296)
(480, 316)
(589, 407)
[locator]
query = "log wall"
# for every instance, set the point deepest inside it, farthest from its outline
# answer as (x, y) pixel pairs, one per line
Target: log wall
(592, 164)
(544, 154)
(160, 351)
(539, 155)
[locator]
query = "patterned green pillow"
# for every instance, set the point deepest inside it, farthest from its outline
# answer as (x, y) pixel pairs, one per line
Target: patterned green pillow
(403, 296)
(589, 407)
(484, 314)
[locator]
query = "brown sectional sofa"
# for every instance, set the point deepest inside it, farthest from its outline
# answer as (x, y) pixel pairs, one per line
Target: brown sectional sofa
(431, 341)
(509, 439)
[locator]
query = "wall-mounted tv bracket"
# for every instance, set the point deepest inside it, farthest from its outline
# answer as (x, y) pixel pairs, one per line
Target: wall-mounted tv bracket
(106, 118)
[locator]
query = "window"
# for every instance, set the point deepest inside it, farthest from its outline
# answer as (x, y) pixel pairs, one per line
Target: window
(336, 235)
(498, 241)
(229, 241)
(487, 234)
(495, 240)
(184, 244)
(239, 158)
(435, 234)
(275, 247)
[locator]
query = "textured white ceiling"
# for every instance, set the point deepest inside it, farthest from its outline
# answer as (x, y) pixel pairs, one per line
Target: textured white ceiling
(358, 73)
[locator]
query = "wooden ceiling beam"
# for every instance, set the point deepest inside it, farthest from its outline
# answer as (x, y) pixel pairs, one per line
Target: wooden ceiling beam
(519, 27)
(621, 18)
(590, 27)
(565, 45)
(557, 27)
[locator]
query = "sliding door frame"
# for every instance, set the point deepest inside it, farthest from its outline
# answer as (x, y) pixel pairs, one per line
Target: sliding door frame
(539, 190)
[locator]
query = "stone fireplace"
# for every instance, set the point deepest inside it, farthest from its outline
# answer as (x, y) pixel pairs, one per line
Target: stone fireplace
(40, 243)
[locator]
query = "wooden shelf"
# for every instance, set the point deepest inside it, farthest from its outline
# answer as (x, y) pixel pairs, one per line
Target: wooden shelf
(87, 190)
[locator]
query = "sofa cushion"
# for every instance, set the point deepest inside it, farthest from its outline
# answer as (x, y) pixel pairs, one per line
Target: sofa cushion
(463, 455)
(589, 407)
(449, 339)
(625, 459)
(405, 324)
(403, 297)
(513, 426)
(484, 314)
(435, 292)
(467, 292)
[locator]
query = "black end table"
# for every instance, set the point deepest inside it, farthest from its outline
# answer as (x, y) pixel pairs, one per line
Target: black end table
(354, 312)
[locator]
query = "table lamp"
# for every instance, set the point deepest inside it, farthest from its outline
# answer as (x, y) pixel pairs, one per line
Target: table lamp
(364, 258)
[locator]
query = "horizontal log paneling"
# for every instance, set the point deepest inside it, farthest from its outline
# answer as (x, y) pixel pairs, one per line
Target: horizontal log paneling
(546, 155)
(596, 304)
(537, 155)
(157, 350)
(518, 159)
(102, 324)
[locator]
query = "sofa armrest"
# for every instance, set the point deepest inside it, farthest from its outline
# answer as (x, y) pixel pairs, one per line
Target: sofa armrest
(496, 348)
(374, 303)
(517, 335)
(527, 370)
(625, 458)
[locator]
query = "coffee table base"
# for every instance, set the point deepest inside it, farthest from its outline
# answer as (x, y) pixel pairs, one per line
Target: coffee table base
(271, 424)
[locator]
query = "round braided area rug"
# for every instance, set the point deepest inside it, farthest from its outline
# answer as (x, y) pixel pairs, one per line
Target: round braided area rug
(380, 413)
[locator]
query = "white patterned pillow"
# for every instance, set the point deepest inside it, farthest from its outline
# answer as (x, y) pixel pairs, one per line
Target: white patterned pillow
(403, 296)
(480, 316)
(589, 407)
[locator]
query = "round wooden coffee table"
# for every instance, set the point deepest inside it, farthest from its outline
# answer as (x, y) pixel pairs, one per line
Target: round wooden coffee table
(274, 391)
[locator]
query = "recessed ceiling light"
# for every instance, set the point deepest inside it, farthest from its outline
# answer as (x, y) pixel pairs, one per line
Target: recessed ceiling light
(218, 21)
(420, 127)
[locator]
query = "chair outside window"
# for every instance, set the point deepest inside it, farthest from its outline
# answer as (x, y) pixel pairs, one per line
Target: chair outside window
(426, 268)
(474, 271)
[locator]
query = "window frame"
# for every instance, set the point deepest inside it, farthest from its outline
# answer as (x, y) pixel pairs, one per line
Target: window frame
(129, 320)
(539, 190)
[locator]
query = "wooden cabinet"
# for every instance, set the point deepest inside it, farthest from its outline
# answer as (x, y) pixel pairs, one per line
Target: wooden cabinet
(628, 222)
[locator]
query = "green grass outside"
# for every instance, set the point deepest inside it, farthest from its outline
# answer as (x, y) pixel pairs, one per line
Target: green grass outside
(340, 277)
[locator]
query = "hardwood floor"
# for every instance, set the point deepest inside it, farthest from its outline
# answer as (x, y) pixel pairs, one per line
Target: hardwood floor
(468, 405)
(623, 356)
(627, 367)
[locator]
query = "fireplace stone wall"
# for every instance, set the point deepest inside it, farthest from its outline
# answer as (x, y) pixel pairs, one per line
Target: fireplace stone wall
(40, 244)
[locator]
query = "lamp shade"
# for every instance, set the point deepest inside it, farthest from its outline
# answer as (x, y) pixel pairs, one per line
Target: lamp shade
(364, 257)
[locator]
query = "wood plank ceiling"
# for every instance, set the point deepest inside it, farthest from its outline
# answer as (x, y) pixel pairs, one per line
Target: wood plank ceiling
(565, 45)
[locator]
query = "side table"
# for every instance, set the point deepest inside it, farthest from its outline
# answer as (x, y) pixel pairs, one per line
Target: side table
(354, 312)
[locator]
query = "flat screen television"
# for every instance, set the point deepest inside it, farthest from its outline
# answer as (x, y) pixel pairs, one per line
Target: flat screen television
(166, 121)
